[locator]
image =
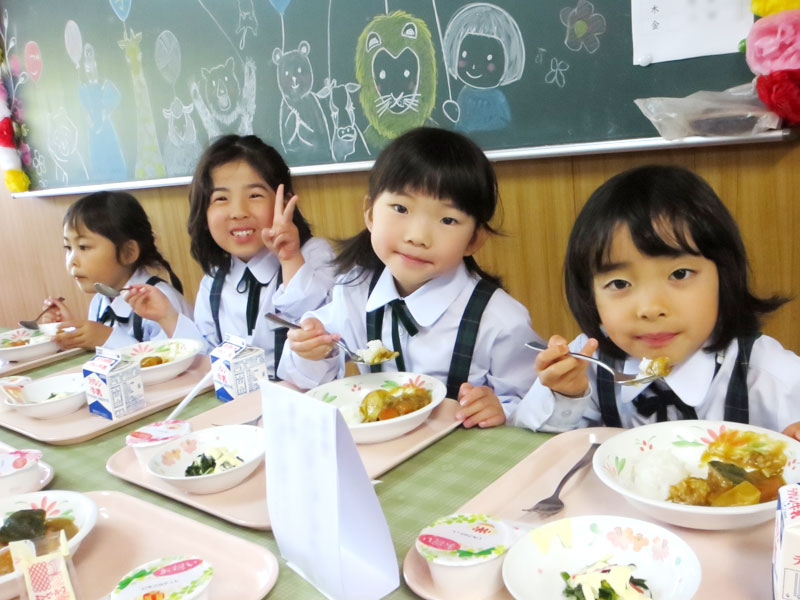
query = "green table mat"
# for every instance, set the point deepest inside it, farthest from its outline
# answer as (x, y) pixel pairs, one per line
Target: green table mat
(433, 483)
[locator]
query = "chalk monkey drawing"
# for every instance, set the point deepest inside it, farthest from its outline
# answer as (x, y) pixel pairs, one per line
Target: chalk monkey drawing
(303, 128)
(62, 146)
(396, 67)
(484, 49)
(346, 132)
(181, 146)
(100, 100)
(223, 101)
(247, 21)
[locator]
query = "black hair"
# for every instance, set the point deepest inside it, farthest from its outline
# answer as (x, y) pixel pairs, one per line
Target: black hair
(647, 200)
(435, 162)
(265, 160)
(119, 217)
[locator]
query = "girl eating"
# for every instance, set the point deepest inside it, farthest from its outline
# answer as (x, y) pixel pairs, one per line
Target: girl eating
(656, 269)
(410, 280)
(108, 239)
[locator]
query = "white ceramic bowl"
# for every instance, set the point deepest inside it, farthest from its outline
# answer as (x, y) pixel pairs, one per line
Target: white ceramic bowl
(347, 393)
(181, 353)
(245, 441)
(36, 345)
(57, 503)
(33, 398)
(19, 471)
(616, 458)
(668, 565)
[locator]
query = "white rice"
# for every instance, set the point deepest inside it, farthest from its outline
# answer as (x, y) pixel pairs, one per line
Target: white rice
(655, 472)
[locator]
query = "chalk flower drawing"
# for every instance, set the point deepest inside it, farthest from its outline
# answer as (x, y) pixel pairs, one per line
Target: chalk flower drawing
(584, 27)
(556, 74)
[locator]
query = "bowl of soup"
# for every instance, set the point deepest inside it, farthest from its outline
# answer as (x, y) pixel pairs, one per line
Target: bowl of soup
(162, 360)
(24, 344)
(378, 407)
(40, 516)
(700, 474)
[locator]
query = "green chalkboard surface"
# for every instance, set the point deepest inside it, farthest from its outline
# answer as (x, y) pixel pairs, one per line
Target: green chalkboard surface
(122, 90)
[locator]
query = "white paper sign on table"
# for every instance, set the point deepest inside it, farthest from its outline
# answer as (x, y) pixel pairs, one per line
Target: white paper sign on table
(676, 29)
(325, 514)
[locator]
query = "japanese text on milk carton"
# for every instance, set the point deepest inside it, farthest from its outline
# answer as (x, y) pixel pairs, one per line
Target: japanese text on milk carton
(786, 549)
(237, 368)
(113, 386)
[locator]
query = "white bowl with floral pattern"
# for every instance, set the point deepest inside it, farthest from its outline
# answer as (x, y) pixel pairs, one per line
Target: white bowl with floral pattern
(616, 459)
(346, 394)
(533, 566)
(57, 504)
(178, 355)
(24, 344)
(244, 441)
(48, 397)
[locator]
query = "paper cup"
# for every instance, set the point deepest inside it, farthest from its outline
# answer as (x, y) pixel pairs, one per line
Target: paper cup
(465, 554)
(178, 577)
(147, 440)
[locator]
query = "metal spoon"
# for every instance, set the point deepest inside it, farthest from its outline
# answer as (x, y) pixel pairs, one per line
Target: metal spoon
(108, 291)
(351, 356)
(622, 378)
(35, 323)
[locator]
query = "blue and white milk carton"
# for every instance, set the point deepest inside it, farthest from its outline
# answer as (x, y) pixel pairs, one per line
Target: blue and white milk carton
(237, 368)
(786, 549)
(113, 386)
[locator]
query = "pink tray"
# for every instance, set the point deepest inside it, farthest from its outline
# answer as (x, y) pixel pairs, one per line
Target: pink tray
(130, 532)
(14, 367)
(246, 504)
(736, 563)
(83, 425)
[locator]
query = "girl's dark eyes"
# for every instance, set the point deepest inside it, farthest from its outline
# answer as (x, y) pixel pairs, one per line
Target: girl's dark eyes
(449, 221)
(399, 208)
(681, 274)
(617, 284)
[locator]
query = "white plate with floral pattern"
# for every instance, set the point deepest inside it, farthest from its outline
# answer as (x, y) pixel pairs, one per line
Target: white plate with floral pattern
(24, 344)
(177, 356)
(532, 570)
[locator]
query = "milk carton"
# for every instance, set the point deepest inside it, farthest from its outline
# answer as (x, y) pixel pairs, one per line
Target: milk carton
(113, 386)
(237, 368)
(786, 549)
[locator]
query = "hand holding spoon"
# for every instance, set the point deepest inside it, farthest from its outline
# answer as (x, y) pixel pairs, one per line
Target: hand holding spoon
(34, 324)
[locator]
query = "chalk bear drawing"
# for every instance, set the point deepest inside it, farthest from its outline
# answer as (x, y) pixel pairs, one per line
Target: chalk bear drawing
(303, 128)
(223, 101)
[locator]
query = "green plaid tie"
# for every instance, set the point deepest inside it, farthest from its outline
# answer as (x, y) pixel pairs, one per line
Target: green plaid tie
(248, 283)
(400, 313)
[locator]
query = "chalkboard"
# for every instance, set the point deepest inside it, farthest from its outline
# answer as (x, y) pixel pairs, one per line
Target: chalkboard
(121, 90)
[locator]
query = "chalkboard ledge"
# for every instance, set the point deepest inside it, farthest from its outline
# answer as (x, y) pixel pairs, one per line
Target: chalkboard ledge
(606, 147)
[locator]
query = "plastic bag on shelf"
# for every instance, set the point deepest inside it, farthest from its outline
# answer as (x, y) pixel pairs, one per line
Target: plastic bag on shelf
(736, 111)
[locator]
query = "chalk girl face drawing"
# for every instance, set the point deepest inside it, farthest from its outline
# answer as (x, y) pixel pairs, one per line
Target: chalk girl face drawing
(483, 47)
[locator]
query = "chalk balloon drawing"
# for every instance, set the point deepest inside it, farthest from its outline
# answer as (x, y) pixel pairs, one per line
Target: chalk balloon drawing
(33, 60)
(73, 42)
(122, 8)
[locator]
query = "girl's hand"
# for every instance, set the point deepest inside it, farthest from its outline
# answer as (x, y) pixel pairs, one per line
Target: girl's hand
(283, 237)
(87, 334)
(479, 406)
(57, 311)
(793, 431)
(561, 372)
(151, 303)
(311, 341)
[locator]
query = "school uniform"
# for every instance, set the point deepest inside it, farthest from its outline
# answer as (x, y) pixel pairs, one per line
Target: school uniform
(130, 328)
(242, 298)
(754, 380)
(424, 330)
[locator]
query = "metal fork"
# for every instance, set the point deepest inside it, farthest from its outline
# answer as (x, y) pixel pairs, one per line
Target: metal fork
(622, 378)
(351, 356)
(553, 504)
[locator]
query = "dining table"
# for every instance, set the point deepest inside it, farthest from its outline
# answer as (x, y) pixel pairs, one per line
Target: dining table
(434, 482)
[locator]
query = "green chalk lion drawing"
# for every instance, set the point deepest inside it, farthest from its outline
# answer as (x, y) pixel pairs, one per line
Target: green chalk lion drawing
(396, 67)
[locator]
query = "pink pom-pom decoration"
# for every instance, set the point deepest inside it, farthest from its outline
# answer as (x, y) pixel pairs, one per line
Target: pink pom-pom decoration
(774, 43)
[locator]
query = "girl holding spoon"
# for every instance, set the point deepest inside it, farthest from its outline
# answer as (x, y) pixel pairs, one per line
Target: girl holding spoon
(109, 241)
(656, 268)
